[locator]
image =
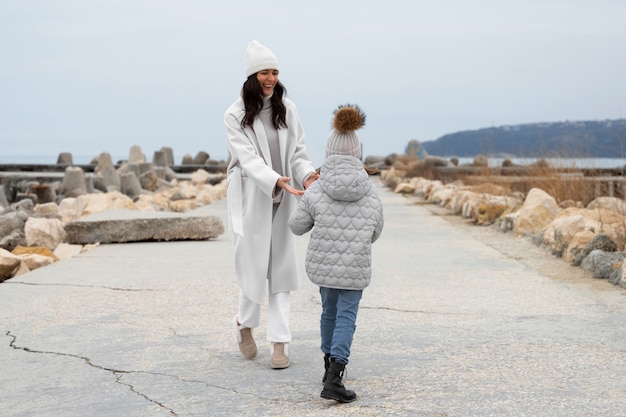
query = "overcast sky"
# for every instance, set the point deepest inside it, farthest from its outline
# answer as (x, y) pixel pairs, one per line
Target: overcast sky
(87, 76)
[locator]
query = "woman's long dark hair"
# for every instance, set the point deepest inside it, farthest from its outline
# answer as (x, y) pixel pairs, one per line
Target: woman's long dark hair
(252, 95)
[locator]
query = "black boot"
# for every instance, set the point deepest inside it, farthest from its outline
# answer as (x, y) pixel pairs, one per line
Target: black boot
(326, 362)
(333, 387)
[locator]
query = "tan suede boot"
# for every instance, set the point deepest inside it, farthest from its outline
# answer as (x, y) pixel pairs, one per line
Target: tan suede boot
(280, 356)
(247, 346)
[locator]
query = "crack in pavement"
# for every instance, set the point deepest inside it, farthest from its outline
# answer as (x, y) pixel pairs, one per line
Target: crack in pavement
(117, 372)
(82, 286)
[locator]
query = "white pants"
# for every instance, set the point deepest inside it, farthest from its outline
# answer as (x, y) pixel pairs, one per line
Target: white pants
(249, 315)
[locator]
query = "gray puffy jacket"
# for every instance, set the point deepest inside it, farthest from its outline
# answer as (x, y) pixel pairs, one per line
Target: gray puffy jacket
(346, 215)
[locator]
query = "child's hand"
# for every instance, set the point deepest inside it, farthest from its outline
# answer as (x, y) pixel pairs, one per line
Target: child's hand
(312, 178)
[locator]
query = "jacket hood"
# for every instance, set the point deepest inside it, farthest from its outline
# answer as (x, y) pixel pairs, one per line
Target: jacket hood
(344, 178)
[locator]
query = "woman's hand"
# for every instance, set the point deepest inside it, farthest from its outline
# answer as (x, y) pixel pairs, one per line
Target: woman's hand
(283, 182)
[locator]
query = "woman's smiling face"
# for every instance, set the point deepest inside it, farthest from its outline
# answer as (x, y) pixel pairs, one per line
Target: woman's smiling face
(268, 79)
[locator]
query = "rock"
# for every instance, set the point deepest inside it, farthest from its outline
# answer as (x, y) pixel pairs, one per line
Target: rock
(9, 264)
(480, 161)
(116, 226)
(34, 261)
(199, 177)
(574, 220)
(44, 232)
(618, 275)
(599, 242)
(25, 206)
(65, 250)
(562, 230)
(34, 250)
(161, 201)
(441, 194)
(404, 188)
(183, 205)
(489, 213)
(601, 263)
(576, 244)
(391, 177)
(485, 208)
(145, 203)
(616, 205)
(209, 194)
(71, 209)
(508, 221)
(374, 160)
(12, 229)
(537, 212)
(13, 239)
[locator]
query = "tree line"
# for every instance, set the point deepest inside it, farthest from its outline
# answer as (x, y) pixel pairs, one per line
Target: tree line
(580, 139)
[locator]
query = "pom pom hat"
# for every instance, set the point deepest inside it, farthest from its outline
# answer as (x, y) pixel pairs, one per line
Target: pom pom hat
(258, 58)
(343, 140)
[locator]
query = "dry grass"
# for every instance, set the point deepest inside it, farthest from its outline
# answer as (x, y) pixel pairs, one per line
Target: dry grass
(569, 185)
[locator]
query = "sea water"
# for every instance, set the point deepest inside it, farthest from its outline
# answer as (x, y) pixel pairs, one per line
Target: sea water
(557, 162)
(52, 159)
(493, 162)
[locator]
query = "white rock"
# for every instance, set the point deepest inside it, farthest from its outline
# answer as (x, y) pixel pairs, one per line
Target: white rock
(200, 176)
(45, 232)
(537, 212)
(9, 263)
(404, 188)
(34, 261)
(65, 250)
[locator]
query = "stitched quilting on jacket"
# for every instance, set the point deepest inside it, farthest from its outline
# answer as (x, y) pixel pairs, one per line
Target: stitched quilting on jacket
(345, 214)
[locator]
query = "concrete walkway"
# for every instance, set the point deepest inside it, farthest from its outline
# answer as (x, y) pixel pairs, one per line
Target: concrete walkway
(450, 326)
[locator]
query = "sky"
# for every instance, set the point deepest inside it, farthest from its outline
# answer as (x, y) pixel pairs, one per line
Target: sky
(92, 76)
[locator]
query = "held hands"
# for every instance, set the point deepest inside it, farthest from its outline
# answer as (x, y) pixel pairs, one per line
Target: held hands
(312, 178)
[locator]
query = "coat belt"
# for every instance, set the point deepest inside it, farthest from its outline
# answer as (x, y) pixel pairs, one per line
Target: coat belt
(236, 201)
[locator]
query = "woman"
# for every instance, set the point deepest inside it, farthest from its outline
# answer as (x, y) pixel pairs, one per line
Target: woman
(269, 165)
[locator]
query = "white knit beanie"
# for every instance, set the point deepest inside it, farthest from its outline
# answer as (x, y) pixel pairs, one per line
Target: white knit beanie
(258, 58)
(343, 140)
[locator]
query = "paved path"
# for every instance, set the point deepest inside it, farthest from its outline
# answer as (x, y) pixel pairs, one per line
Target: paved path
(450, 326)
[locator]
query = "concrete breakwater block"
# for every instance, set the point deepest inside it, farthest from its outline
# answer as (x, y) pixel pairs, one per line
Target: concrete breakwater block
(119, 226)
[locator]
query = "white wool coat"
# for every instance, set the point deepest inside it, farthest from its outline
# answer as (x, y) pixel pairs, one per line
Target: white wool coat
(251, 184)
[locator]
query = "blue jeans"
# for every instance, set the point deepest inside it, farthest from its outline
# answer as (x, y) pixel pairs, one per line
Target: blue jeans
(338, 322)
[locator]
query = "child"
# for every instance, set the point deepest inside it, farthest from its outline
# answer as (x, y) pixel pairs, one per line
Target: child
(346, 215)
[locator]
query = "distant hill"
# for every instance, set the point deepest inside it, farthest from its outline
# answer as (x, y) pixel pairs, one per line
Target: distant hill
(582, 139)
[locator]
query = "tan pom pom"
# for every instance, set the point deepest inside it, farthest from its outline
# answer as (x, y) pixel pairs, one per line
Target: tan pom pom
(347, 118)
